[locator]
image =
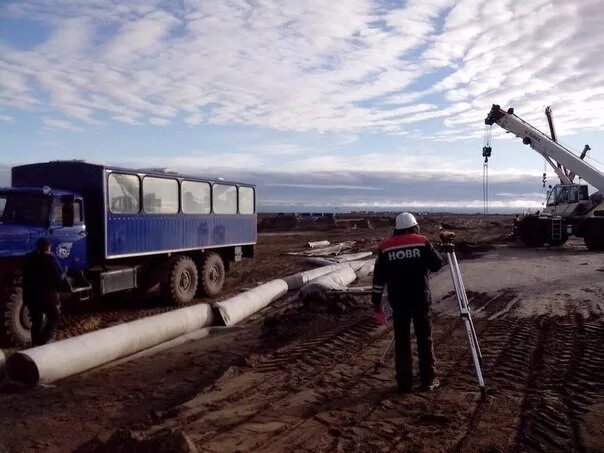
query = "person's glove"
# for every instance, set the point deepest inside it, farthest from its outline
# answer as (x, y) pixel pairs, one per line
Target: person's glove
(380, 317)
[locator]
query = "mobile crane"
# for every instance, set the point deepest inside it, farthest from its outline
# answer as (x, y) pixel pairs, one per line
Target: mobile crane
(569, 210)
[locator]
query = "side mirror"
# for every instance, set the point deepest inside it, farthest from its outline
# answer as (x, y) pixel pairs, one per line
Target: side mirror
(68, 202)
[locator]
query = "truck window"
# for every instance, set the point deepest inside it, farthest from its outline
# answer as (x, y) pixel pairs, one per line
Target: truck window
(24, 208)
(246, 200)
(224, 198)
(160, 195)
(195, 197)
(124, 193)
(57, 212)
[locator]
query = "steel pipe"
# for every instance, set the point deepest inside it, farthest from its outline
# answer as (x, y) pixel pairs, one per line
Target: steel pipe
(237, 308)
(54, 361)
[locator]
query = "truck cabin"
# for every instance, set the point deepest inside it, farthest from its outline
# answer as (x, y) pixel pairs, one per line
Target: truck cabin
(567, 193)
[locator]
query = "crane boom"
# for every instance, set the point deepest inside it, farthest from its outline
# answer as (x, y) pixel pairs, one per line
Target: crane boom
(547, 147)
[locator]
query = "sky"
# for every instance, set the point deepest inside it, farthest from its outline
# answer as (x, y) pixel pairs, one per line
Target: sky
(325, 105)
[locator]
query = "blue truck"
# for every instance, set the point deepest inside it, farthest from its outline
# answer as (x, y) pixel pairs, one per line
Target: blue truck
(116, 229)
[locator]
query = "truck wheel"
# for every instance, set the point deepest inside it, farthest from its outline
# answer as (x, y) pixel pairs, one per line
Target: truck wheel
(16, 324)
(532, 231)
(212, 274)
(182, 281)
(594, 235)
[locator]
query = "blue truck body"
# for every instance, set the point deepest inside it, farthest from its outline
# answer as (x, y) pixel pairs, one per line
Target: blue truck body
(126, 226)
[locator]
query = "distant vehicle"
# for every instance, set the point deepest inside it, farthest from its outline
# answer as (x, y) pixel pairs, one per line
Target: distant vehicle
(115, 229)
(569, 210)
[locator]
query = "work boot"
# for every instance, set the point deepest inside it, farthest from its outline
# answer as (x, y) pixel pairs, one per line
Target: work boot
(403, 388)
(431, 386)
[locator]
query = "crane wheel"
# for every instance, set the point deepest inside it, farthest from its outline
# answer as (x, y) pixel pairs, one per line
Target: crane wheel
(532, 231)
(593, 235)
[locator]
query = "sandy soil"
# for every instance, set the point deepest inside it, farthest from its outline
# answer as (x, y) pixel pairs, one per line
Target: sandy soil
(298, 377)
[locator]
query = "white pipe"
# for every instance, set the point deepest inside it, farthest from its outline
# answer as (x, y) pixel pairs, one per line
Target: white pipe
(245, 304)
(54, 361)
(338, 259)
(316, 244)
(338, 279)
(320, 261)
(366, 269)
(351, 257)
(300, 279)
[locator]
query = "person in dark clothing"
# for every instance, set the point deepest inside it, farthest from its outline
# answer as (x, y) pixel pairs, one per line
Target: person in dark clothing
(402, 266)
(42, 282)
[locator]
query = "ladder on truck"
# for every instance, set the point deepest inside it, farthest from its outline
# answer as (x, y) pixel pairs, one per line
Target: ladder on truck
(557, 228)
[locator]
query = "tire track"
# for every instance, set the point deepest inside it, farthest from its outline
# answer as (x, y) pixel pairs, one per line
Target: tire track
(566, 380)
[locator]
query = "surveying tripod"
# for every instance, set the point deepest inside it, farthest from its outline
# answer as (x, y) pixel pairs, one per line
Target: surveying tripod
(464, 311)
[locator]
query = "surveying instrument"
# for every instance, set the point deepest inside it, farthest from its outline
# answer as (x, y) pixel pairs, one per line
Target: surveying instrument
(448, 247)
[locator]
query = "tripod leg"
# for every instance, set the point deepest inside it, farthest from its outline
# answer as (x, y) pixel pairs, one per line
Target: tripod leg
(383, 358)
(464, 301)
(464, 311)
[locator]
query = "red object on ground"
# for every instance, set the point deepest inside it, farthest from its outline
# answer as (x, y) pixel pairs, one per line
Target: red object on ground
(380, 317)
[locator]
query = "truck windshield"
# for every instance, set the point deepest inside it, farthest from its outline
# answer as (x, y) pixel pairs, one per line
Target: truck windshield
(24, 208)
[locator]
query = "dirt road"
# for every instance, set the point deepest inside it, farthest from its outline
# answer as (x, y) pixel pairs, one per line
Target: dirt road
(296, 378)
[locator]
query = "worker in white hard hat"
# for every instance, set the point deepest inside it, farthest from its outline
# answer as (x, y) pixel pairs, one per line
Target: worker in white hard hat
(402, 266)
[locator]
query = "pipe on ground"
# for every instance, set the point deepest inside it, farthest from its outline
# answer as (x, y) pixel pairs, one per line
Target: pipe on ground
(366, 269)
(297, 281)
(338, 279)
(319, 261)
(54, 361)
(239, 307)
(317, 244)
(347, 257)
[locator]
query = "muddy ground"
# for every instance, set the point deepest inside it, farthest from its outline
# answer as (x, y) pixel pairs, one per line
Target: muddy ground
(297, 377)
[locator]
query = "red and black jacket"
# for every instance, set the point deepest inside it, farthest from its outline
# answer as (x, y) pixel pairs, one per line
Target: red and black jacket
(402, 265)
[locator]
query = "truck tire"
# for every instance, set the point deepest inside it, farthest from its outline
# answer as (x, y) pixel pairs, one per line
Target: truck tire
(211, 274)
(593, 235)
(181, 286)
(532, 231)
(16, 324)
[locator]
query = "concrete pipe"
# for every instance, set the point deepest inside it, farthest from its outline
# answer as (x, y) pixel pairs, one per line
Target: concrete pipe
(338, 279)
(317, 244)
(351, 257)
(237, 308)
(300, 279)
(366, 269)
(54, 361)
(320, 261)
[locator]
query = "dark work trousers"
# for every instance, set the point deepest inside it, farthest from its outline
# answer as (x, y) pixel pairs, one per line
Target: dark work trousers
(45, 314)
(422, 323)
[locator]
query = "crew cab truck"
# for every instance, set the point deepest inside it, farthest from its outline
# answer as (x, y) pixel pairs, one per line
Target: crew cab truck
(115, 229)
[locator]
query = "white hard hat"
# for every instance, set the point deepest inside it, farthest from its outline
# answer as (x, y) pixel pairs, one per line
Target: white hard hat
(405, 220)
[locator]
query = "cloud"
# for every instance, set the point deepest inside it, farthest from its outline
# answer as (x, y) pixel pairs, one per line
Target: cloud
(358, 65)
(53, 124)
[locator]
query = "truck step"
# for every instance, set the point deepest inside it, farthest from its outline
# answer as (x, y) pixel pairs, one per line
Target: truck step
(557, 229)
